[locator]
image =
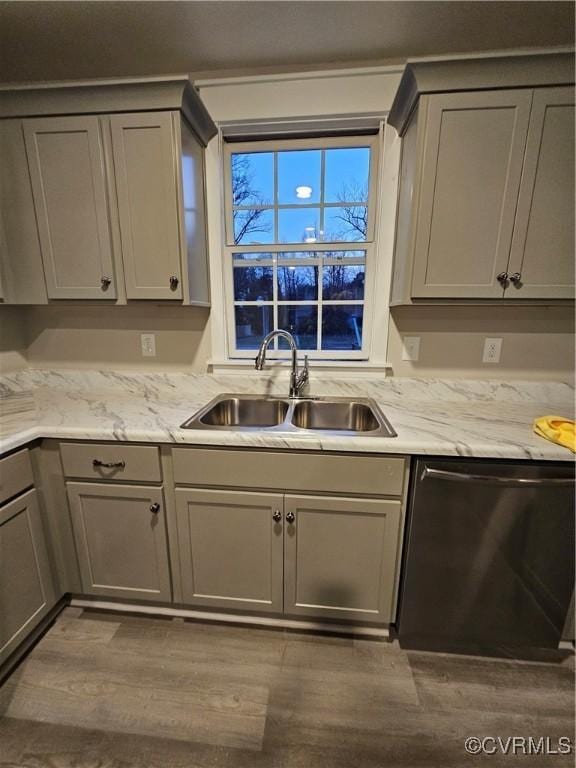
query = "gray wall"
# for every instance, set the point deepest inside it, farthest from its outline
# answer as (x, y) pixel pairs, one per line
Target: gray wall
(12, 338)
(105, 337)
(538, 342)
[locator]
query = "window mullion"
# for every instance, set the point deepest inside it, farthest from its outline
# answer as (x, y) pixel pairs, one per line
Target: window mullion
(320, 299)
(276, 197)
(322, 184)
(275, 296)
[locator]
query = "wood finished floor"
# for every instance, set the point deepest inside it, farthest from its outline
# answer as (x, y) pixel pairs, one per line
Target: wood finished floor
(107, 691)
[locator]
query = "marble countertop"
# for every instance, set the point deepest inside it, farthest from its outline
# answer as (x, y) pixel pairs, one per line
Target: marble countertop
(440, 417)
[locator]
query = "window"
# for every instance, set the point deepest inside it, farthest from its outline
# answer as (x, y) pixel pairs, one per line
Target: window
(300, 241)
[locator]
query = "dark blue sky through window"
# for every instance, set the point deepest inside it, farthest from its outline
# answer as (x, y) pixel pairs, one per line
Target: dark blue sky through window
(299, 169)
(300, 183)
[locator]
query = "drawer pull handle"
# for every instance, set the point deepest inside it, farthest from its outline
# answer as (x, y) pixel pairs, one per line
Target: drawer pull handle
(174, 283)
(109, 464)
(155, 508)
(290, 517)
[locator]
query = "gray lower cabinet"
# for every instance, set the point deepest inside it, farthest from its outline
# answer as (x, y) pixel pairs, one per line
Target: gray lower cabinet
(313, 556)
(26, 586)
(121, 541)
(231, 549)
(341, 557)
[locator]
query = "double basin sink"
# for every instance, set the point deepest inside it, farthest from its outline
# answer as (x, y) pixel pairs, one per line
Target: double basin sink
(333, 415)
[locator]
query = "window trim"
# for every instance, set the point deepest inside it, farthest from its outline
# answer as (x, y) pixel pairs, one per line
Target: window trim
(373, 141)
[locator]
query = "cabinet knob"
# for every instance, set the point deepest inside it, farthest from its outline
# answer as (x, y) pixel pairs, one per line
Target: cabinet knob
(516, 278)
(105, 282)
(290, 517)
(155, 508)
(502, 278)
(174, 282)
(277, 516)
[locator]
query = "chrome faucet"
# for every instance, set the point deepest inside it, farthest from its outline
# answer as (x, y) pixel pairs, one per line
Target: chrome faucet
(297, 380)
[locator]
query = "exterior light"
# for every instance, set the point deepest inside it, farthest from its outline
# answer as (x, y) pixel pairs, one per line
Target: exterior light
(310, 235)
(303, 192)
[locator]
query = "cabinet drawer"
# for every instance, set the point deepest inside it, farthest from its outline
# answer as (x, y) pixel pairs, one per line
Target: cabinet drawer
(128, 462)
(15, 474)
(369, 475)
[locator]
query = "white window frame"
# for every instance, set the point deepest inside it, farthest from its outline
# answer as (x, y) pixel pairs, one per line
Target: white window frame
(369, 246)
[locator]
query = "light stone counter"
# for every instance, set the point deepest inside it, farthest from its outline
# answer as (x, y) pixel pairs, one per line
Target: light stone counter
(431, 416)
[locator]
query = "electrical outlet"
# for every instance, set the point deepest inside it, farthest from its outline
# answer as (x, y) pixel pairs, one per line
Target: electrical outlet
(411, 348)
(492, 349)
(148, 344)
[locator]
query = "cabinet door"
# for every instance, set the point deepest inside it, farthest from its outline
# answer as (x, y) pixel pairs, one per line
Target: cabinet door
(543, 243)
(145, 168)
(121, 540)
(469, 181)
(26, 587)
(66, 165)
(341, 557)
(231, 549)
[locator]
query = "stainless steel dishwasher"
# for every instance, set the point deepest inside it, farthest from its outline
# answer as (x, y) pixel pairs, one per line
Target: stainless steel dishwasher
(489, 555)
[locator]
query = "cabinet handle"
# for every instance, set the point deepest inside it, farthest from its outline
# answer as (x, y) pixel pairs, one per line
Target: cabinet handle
(277, 516)
(290, 517)
(155, 508)
(105, 282)
(514, 482)
(516, 278)
(174, 283)
(109, 464)
(502, 278)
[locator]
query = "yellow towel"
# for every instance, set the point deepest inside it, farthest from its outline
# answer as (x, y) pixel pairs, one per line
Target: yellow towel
(558, 430)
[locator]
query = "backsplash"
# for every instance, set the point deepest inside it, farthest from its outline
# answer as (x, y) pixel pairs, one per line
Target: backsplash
(537, 341)
(12, 339)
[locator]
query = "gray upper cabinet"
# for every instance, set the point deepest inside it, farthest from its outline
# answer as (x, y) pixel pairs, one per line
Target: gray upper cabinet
(145, 173)
(66, 163)
(102, 191)
(230, 549)
(341, 557)
(26, 586)
(542, 255)
(471, 168)
(486, 190)
(120, 533)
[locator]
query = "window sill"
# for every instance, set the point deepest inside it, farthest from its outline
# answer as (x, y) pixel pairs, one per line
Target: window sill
(322, 368)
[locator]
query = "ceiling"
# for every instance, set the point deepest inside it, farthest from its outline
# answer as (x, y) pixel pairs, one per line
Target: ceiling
(84, 39)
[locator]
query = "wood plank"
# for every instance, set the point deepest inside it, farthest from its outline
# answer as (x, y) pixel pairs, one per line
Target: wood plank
(133, 692)
(479, 684)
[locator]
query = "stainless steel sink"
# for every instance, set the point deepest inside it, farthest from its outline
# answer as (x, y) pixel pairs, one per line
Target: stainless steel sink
(355, 416)
(350, 416)
(245, 412)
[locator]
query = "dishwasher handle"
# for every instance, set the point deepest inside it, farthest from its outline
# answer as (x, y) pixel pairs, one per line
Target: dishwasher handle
(511, 482)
